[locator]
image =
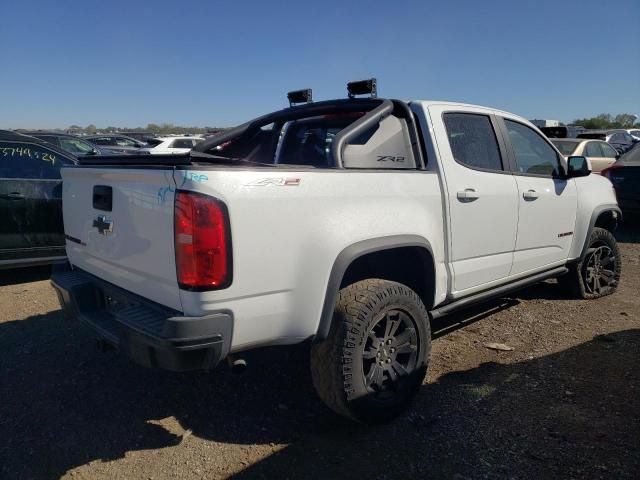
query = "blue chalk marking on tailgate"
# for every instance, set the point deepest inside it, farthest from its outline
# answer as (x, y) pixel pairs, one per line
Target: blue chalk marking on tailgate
(196, 177)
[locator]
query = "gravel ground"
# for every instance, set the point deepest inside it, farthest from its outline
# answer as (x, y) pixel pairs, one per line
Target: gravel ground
(565, 403)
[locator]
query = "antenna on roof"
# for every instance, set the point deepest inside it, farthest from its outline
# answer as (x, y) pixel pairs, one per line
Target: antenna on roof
(363, 87)
(300, 96)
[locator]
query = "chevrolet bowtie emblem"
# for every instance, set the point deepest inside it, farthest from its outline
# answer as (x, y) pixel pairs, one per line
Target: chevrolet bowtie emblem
(104, 226)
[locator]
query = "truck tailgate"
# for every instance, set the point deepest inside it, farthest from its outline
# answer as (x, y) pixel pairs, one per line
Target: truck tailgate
(118, 224)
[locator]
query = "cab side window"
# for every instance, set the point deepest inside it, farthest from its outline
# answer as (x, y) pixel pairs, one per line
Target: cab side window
(473, 140)
(533, 155)
(608, 150)
(593, 150)
(29, 161)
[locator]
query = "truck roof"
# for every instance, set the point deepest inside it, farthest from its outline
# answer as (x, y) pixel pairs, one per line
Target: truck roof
(177, 137)
(428, 103)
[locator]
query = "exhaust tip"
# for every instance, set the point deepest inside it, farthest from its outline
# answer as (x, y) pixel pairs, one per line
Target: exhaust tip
(237, 365)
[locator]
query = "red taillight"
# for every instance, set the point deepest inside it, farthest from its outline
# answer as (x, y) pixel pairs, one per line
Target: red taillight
(202, 242)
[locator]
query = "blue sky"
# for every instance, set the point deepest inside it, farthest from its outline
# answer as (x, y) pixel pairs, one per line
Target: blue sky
(218, 63)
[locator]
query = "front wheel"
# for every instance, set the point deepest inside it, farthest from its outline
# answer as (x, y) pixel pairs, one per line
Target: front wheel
(598, 273)
(375, 357)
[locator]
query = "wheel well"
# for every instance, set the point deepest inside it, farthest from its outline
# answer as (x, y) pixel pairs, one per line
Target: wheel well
(411, 266)
(607, 220)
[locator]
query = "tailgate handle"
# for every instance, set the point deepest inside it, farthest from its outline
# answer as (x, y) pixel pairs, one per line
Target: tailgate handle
(102, 198)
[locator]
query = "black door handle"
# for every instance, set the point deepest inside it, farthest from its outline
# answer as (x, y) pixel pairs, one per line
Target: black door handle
(12, 196)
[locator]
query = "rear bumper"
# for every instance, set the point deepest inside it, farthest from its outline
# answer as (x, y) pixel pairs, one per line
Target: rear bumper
(151, 334)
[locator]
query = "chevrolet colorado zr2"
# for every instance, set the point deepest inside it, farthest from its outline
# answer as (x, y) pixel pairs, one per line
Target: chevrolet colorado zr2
(346, 224)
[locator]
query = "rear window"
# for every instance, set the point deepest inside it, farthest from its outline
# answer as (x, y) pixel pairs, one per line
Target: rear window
(104, 141)
(306, 137)
(631, 157)
(182, 143)
(596, 136)
(308, 141)
(555, 132)
(48, 138)
(304, 141)
(566, 148)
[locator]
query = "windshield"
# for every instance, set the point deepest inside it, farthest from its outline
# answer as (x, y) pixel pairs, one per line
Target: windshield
(555, 132)
(126, 142)
(154, 142)
(76, 146)
(632, 157)
(566, 148)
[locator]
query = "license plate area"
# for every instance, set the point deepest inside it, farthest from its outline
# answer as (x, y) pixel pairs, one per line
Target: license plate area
(114, 301)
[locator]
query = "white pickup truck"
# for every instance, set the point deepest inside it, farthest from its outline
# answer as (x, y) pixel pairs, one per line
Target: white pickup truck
(347, 224)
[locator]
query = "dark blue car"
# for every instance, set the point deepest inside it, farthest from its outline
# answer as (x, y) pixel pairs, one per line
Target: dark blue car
(31, 230)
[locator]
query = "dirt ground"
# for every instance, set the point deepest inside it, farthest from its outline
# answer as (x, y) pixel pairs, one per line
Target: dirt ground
(565, 403)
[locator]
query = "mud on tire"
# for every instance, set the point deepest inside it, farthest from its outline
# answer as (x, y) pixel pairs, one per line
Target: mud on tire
(375, 357)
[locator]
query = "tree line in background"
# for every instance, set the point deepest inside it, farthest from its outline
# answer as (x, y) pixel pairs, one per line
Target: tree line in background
(606, 120)
(157, 129)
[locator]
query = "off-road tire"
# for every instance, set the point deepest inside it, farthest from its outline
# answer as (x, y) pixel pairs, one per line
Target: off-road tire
(601, 260)
(393, 315)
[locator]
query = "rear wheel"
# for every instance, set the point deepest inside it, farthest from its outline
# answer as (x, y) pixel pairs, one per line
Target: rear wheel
(375, 357)
(598, 273)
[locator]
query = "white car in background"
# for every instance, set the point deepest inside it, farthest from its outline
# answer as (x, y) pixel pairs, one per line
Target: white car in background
(634, 132)
(600, 154)
(176, 145)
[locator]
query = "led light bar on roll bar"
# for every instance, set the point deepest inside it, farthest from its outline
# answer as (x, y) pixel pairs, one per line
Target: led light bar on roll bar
(300, 96)
(363, 87)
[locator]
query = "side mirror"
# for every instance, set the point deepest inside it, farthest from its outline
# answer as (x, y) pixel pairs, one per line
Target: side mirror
(578, 167)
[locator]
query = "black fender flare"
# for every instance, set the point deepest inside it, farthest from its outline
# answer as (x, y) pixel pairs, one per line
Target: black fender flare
(344, 260)
(599, 210)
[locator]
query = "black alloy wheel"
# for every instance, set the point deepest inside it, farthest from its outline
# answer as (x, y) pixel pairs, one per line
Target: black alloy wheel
(375, 357)
(599, 271)
(391, 350)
